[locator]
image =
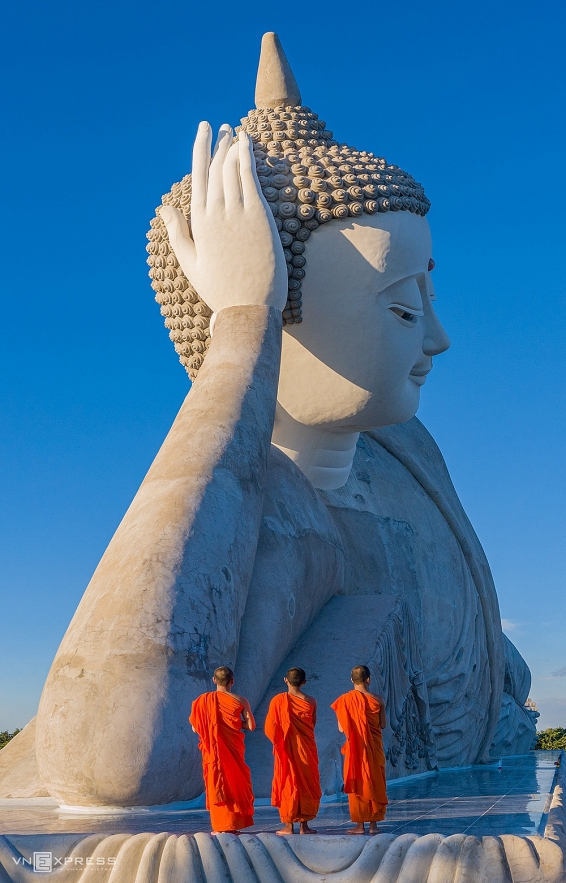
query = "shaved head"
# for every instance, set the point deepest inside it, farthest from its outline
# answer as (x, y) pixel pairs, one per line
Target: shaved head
(296, 677)
(223, 675)
(360, 674)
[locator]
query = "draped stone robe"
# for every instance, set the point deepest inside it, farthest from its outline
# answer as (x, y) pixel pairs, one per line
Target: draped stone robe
(401, 531)
(413, 538)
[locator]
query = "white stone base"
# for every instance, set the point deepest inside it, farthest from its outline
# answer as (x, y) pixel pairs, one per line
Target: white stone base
(268, 858)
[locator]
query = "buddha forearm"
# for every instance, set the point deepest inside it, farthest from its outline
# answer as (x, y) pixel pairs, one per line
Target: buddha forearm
(172, 586)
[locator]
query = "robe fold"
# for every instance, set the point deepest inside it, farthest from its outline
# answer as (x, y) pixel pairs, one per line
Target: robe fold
(217, 718)
(364, 760)
(289, 725)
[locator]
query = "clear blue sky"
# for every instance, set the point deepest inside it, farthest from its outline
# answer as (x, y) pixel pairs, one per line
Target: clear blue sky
(100, 105)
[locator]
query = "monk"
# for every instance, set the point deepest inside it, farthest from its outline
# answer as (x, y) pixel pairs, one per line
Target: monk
(218, 718)
(361, 717)
(290, 724)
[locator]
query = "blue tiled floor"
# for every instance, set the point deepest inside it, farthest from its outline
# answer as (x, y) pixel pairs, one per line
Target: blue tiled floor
(477, 800)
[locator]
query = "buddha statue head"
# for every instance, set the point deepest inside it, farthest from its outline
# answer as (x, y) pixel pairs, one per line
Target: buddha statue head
(359, 326)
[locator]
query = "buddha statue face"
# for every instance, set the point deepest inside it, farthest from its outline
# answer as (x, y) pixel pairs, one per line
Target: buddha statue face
(360, 356)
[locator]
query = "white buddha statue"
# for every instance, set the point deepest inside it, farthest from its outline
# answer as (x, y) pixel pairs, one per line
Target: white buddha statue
(297, 510)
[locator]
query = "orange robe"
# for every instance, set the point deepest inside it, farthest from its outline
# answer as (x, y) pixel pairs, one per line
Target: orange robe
(217, 718)
(296, 781)
(364, 760)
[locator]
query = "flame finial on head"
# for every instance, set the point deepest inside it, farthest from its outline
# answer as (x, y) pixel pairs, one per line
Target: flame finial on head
(276, 85)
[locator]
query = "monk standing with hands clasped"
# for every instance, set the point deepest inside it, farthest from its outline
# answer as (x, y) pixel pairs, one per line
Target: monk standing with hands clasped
(219, 718)
(290, 726)
(361, 717)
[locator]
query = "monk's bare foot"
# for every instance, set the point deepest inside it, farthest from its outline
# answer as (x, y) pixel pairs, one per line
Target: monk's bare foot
(359, 829)
(288, 829)
(306, 830)
(215, 833)
(373, 829)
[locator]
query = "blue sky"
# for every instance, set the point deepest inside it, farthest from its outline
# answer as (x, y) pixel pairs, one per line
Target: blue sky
(100, 105)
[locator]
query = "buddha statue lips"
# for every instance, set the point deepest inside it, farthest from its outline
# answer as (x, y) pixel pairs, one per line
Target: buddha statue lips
(297, 512)
(419, 375)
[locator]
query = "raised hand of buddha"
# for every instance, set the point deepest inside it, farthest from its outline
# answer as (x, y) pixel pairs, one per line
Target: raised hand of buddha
(233, 254)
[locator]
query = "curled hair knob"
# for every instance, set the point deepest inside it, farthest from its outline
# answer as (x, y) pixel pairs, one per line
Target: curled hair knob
(305, 211)
(340, 211)
(291, 225)
(287, 210)
(306, 195)
(323, 200)
(288, 194)
(339, 195)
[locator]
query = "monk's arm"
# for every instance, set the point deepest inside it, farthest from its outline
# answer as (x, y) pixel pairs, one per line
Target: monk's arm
(192, 719)
(247, 717)
(334, 708)
(271, 726)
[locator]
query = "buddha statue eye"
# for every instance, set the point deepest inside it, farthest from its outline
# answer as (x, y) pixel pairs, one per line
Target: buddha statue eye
(431, 265)
(407, 316)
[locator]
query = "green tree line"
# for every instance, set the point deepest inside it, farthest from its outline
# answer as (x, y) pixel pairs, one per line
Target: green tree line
(552, 739)
(6, 736)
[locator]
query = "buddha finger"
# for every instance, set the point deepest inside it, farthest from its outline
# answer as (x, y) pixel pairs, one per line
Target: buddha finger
(232, 183)
(215, 194)
(180, 238)
(248, 175)
(201, 165)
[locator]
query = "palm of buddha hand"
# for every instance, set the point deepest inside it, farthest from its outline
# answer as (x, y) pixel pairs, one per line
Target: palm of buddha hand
(234, 255)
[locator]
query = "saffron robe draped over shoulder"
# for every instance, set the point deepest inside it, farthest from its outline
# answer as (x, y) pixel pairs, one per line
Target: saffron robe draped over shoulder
(217, 718)
(289, 725)
(364, 760)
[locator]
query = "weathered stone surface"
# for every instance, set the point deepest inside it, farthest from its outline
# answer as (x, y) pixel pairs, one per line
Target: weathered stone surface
(18, 767)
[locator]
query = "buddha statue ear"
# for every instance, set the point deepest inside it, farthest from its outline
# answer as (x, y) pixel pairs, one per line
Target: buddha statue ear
(276, 85)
